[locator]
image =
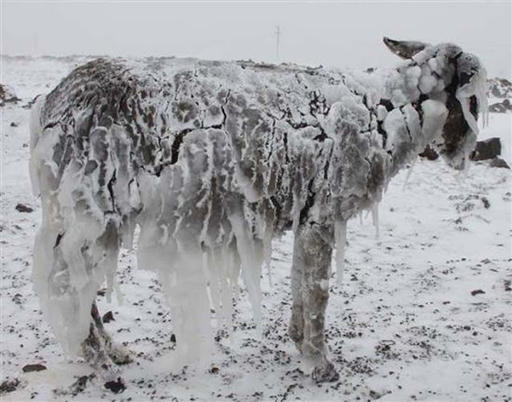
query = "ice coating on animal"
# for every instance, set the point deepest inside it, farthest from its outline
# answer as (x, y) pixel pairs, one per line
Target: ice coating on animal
(211, 160)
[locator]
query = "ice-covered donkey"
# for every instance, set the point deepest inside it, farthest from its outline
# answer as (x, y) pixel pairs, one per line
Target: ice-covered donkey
(211, 160)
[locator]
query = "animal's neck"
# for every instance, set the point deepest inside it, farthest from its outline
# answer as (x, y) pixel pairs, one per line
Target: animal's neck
(408, 120)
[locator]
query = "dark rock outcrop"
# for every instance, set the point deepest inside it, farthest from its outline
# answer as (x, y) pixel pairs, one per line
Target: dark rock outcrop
(7, 95)
(499, 88)
(23, 208)
(28, 368)
(499, 163)
(487, 149)
(501, 107)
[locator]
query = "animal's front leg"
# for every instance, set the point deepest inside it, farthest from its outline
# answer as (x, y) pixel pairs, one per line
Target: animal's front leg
(312, 255)
(296, 327)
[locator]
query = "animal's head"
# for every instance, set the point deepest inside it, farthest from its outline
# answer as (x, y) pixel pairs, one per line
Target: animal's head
(449, 75)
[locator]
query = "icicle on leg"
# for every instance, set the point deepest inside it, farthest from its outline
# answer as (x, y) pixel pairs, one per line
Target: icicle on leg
(375, 219)
(409, 173)
(340, 235)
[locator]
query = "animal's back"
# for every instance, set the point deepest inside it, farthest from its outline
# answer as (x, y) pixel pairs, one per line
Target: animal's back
(146, 108)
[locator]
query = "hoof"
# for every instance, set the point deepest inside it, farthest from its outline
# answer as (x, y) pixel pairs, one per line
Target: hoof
(325, 373)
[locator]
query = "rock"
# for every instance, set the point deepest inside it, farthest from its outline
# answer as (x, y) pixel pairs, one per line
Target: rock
(23, 208)
(501, 107)
(477, 292)
(9, 386)
(499, 88)
(375, 395)
(429, 153)
(487, 149)
(7, 95)
(14, 124)
(115, 386)
(33, 367)
(107, 317)
(17, 298)
(499, 163)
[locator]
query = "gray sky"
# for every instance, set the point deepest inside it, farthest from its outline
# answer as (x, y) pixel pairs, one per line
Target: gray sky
(329, 33)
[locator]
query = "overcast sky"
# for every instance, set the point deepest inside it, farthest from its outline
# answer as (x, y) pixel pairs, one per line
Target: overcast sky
(328, 33)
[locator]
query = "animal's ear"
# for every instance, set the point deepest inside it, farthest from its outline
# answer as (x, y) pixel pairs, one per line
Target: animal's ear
(404, 49)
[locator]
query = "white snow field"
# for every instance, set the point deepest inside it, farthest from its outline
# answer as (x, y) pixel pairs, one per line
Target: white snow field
(423, 312)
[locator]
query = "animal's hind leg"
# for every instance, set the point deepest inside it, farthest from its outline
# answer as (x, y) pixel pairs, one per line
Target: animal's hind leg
(312, 255)
(108, 244)
(101, 343)
(296, 327)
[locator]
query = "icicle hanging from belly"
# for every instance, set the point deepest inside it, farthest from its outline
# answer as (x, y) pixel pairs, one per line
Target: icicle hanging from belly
(409, 172)
(340, 235)
(251, 263)
(375, 219)
(267, 253)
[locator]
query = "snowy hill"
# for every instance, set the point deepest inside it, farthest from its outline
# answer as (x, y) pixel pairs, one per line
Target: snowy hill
(500, 88)
(423, 312)
(500, 95)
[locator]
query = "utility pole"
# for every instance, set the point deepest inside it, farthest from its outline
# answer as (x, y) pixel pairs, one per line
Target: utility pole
(278, 34)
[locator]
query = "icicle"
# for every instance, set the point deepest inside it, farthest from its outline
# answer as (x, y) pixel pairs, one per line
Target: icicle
(251, 264)
(467, 165)
(230, 271)
(267, 253)
(478, 88)
(340, 235)
(110, 286)
(481, 96)
(468, 116)
(368, 212)
(360, 217)
(375, 219)
(119, 293)
(212, 280)
(186, 290)
(409, 172)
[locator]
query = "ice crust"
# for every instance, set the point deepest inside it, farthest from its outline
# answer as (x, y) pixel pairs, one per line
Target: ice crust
(211, 160)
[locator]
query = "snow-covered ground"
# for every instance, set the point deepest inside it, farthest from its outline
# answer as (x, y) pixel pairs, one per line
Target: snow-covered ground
(424, 312)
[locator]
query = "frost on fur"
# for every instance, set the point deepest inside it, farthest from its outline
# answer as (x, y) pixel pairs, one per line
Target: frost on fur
(212, 160)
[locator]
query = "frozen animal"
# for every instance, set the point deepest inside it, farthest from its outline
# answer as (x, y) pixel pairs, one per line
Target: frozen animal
(210, 161)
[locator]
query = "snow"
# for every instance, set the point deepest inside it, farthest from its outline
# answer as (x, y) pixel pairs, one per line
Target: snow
(438, 243)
